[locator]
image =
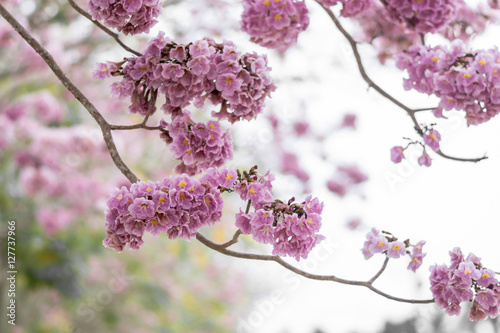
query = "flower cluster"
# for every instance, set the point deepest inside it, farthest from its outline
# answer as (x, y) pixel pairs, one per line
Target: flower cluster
(274, 23)
(423, 16)
(393, 248)
(178, 206)
(431, 138)
(197, 71)
(128, 16)
(199, 146)
(464, 80)
(291, 228)
(463, 281)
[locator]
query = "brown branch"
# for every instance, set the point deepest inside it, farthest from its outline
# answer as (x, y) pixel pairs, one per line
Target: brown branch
(362, 71)
(102, 27)
(49, 60)
(221, 249)
(382, 269)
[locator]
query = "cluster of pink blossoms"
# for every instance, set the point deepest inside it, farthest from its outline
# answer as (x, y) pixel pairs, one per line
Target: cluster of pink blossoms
(178, 206)
(199, 146)
(274, 23)
(423, 16)
(291, 228)
(393, 248)
(463, 281)
(197, 71)
(128, 16)
(464, 80)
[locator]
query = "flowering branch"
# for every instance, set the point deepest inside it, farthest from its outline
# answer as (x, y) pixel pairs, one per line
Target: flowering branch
(368, 284)
(362, 71)
(49, 60)
(102, 27)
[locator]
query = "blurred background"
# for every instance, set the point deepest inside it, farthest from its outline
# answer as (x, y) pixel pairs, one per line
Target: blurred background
(323, 132)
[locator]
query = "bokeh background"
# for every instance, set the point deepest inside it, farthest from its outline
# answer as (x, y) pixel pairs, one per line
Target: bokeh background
(56, 174)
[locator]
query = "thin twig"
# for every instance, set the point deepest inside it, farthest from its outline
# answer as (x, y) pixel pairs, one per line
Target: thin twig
(102, 27)
(381, 91)
(49, 60)
(233, 240)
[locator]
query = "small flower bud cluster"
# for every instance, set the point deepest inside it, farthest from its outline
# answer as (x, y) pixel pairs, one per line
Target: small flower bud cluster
(465, 280)
(199, 146)
(424, 16)
(292, 228)
(431, 139)
(393, 248)
(196, 72)
(464, 80)
(178, 206)
(274, 24)
(128, 16)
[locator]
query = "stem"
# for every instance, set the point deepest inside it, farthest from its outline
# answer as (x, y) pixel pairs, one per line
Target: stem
(102, 27)
(49, 60)
(384, 265)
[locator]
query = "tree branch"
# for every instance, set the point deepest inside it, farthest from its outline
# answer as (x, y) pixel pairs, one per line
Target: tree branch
(362, 71)
(368, 284)
(102, 27)
(49, 60)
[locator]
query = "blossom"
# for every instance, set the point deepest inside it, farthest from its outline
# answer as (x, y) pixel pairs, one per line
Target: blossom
(177, 206)
(274, 24)
(432, 140)
(425, 159)
(395, 249)
(397, 154)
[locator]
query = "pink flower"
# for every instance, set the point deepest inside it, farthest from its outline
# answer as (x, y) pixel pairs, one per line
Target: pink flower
(425, 159)
(397, 154)
(432, 139)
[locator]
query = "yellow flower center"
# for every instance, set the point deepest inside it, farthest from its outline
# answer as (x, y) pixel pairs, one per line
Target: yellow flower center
(182, 183)
(143, 68)
(185, 142)
(212, 126)
(380, 244)
(466, 76)
(228, 80)
(119, 197)
(433, 136)
(104, 70)
(277, 17)
(148, 189)
(485, 276)
(154, 222)
(161, 199)
(207, 200)
(309, 220)
(228, 176)
(182, 196)
(251, 190)
(467, 271)
(396, 247)
(266, 3)
(435, 59)
(482, 62)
